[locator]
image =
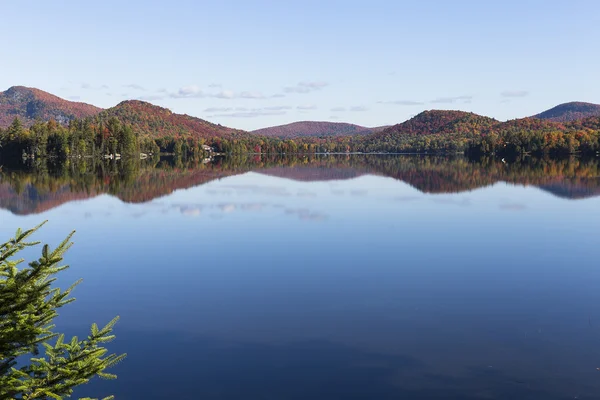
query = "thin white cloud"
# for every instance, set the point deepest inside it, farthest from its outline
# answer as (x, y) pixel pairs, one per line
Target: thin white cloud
(515, 93)
(224, 94)
(277, 108)
(338, 109)
(449, 100)
(134, 86)
(358, 108)
(306, 107)
(194, 91)
(252, 95)
(86, 85)
(215, 86)
(151, 97)
(305, 87)
(74, 98)
(402, 102)
(186, 92)
(253, 113)
(218, 109)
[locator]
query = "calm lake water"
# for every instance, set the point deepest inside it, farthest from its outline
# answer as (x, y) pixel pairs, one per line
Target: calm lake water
(338, 277)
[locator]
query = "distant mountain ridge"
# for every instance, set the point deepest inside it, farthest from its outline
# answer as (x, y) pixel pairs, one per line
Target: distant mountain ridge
(146, 119)
(30, 104)
(315, 129)
(569, 112)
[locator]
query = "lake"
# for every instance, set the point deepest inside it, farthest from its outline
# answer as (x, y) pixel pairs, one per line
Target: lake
(330, 277)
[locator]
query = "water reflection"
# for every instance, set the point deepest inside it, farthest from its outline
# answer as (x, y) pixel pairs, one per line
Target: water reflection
(362, 277)
(28, 189)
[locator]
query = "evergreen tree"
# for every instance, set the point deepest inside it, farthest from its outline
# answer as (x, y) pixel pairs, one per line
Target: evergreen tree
(35, 361)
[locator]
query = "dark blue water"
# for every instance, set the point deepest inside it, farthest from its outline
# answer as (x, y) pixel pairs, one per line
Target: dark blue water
(339, 283)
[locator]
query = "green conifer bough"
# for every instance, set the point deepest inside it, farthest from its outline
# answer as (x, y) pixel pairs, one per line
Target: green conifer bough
(35, 361)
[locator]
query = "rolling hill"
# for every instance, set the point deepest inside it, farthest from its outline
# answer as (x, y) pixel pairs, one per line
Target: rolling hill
(429, 123)
(149, 120)
(441, 121)
(315, 129)
(568, 112)
(30, 104)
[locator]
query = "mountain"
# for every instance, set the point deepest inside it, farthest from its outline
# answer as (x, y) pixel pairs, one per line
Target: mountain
(441, 121)
(570, 112)
(30, 104)
(149, 120)
(426, 128)
(316, 129)
(528, 124)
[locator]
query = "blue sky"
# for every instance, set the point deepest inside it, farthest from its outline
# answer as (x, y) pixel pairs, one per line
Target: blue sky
(250, 64)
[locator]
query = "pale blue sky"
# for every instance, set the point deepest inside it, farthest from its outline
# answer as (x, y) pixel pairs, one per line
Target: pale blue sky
(249, 64)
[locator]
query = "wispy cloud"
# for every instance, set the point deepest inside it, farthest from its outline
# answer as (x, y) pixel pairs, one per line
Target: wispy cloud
(515, 93)
(402, 102)
(277, 108)
(151, 97)
(104, 87)
(338, 109)
(227, 109)
(86, 85)
(186, 92)
(448, 100)
(334, 117)
(307, 107)
(134, 86)
(240, 112)
(305, 87)
(218, 109)
(195, 91)
(223, 94)
(252, 95)
(358, 108)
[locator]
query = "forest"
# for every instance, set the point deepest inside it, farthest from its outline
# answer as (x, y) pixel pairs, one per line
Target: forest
(433, 132)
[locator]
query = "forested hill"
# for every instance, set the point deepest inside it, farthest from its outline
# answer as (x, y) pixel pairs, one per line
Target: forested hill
(30, 104)
(153, 121)
(570, 112)
(316, 129)
(437, 125)
(441, 121)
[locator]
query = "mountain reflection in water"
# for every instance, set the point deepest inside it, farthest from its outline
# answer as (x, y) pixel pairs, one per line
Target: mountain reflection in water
(37, 188)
